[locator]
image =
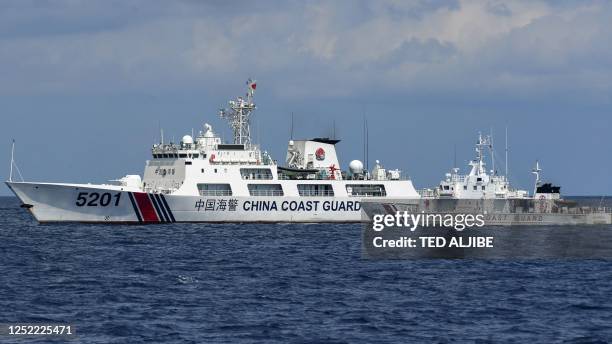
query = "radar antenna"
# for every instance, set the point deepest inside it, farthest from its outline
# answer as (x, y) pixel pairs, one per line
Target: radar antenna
(238, 115)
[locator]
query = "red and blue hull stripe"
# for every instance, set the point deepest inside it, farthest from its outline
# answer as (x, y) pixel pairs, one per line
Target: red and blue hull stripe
(151, 208)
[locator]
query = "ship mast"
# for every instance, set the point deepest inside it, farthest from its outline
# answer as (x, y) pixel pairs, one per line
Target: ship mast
(480, 155)
(492, 152)
(478, 165)
(506, 162)
(536, 170)
(238, 115)
(14, 164)
(12, 161)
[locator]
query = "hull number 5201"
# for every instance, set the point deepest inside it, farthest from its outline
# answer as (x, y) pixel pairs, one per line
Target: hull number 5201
(95, 199)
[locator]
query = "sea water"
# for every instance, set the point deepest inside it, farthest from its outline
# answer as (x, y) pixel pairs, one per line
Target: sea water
(243, 283)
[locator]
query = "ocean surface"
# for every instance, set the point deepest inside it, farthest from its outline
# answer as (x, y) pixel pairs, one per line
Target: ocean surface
(243, 283)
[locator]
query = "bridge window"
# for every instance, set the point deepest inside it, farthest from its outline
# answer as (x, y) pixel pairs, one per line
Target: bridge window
(366, 190)
(265, 190)
(215, 189)
(308, 190)
(256, 173)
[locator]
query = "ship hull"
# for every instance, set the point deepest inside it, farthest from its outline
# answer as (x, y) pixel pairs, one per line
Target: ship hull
(49, 202)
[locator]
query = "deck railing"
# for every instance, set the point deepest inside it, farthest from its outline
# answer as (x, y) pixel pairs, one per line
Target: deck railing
(266, 193)
(314, 193)
(215, 192)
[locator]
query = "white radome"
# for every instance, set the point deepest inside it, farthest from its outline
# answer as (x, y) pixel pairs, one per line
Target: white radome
(187, 140)
(356, 167)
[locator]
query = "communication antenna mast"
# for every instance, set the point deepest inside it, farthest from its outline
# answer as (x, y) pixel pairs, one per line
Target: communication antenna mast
(334, 129)
(364, 140)
(492, 153)
(291, 136)
(367, 140)
(366, 147)
(238, 114)
(536, 170)
(12, 160)
(14, 164)
(506, 164)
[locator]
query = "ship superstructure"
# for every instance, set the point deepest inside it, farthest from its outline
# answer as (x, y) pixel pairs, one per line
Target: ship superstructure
(202, 179)
(478, 183)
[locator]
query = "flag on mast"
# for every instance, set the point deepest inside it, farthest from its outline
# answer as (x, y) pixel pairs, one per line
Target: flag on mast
(252, 84)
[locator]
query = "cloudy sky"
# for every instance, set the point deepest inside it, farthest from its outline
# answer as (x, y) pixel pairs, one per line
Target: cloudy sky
(85, 85)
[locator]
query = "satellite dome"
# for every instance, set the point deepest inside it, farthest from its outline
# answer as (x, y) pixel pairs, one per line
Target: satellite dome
(356, 167)
(187, 140)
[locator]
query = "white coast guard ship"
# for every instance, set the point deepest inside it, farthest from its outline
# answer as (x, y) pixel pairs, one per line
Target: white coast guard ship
(202, 179)
(489, 193)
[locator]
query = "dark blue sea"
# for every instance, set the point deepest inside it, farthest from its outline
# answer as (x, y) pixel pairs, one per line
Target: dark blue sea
(242, 283)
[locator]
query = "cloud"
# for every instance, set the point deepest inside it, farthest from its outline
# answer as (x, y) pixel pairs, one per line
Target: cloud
(328, 48)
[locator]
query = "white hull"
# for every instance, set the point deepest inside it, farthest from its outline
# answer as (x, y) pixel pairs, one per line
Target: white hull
(50, 202)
